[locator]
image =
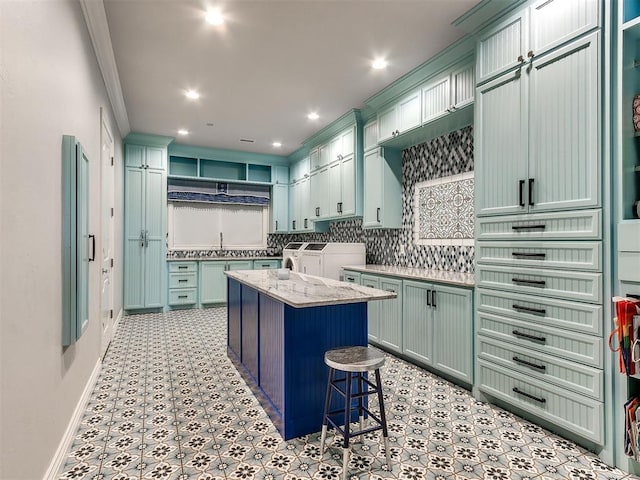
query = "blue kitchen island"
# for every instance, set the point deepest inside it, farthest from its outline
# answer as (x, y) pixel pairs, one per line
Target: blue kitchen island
(278, 331)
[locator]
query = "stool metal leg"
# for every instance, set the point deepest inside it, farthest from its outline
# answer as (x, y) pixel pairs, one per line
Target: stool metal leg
(347, 422)
(360, 406)
(383, 417)
(327, 401)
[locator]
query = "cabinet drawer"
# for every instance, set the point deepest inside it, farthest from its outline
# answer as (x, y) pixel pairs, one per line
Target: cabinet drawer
(581, 286)
(564, 343)
(579, 317)
(577, 413)
(265, 264)
(569, 255)
(576, 225)
(547, 368)
(183, 280)
(182, 296)
(183, 267)
(352, 277)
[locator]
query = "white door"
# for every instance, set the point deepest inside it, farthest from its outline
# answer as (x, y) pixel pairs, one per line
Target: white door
(107, 205)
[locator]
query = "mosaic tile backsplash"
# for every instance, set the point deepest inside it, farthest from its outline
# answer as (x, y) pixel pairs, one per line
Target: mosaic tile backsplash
(451, 154)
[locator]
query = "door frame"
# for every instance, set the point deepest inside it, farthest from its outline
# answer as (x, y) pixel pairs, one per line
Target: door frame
(107, 210)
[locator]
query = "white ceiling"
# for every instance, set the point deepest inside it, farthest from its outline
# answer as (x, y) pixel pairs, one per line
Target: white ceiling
(272, 63)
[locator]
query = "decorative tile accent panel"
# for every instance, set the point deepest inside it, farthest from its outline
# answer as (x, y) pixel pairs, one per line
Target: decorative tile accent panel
(451, 154)
(445, 211)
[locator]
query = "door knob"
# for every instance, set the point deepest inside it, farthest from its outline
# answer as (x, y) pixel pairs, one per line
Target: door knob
(104, 270)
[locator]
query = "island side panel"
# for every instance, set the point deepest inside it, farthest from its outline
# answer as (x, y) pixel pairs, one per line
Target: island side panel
(234, 317)
(271, 360)
(308, 334)
(249, 331)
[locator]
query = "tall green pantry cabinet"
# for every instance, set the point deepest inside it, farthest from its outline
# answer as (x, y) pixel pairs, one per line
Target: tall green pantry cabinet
(145, 221)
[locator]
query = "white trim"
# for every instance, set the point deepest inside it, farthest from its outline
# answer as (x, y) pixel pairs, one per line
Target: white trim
(67, 439)
(96, 19)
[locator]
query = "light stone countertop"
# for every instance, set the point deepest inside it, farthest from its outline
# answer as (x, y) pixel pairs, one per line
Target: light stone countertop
(425, 274)
(222, 257)
(301, 291)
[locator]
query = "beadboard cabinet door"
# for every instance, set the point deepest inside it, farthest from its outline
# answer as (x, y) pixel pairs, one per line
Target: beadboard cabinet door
(391, 315)
(564, 141)
(501, 145)
(373, 309)
(503, 47)
(213, 283)
(335, 188)
(452, 331)
(417, 321)
(280, 208)
(348, 179)
(155, 220)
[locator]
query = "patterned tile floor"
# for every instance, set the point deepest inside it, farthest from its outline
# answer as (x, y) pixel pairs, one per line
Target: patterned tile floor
(168, 404)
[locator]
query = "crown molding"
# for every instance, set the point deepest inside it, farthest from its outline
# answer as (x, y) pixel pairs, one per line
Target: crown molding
(96, 19)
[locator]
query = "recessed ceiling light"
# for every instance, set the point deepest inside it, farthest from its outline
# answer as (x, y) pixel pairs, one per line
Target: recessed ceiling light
(379, 64)
(182, 131)
(277, 144)
(313, 116)
(214, 17)
(192, 94)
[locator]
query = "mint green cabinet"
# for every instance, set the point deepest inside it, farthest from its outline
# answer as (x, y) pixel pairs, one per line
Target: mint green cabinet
(502, 47)
(448, 92)
(213, 282)
(319, 194)
(279, 175)
(352, 277)
(280, 208)
(528, 141)
(400, 117)
(265, 264)
(390, 333)
(437, 327)
(299, 206)
(382, 189)
(373, 308)
(145, 226)
(183, 283)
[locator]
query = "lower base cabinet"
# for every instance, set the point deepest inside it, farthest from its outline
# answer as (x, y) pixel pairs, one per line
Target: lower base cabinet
(437, 327)
(430, 323)
(213, 281)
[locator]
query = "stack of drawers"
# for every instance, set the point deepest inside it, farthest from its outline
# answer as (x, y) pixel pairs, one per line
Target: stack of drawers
(183, 283)
(539, 316)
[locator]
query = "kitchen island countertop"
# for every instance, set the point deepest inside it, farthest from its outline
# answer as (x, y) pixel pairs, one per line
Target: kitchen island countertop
(426, 274)
(301, 291)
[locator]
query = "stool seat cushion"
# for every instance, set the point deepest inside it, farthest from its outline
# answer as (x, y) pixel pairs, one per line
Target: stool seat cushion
(354, 359)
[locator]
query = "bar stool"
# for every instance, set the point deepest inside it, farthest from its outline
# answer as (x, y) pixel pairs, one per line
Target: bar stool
(355, 362)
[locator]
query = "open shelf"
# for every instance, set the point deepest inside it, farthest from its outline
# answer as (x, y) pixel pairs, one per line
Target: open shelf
(203, 169)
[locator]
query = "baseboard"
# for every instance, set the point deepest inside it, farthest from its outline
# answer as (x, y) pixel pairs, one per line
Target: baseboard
(60, 456)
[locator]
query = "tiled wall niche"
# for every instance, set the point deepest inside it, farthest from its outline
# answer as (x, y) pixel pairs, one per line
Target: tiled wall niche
(444, 156)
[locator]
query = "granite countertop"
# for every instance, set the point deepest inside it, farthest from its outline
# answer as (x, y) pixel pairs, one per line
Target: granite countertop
(222, 257)
(439, 276)
(302, 290)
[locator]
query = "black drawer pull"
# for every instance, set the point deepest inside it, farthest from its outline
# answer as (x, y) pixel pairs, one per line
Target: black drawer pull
(529, 364)
(182, 296)
(528, 227)
(428, 300)
(531, 204)
(528, 395)
(535, 283)
(529, 255)
(528, 337)
(182, 280)
(433, 298)
(182, 267)
(520, 198)
(537, 311)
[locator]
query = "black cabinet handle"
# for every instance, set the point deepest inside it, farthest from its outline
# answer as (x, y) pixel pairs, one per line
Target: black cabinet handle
(182, 267)
(533, 283)
(294, 225)
(520, 196)
(531, 192)
(339, 207)
(317, 211)
(537, 311)
(529, 364)
(182, 296)
(276, 224)
(306, 222)
(92, 258)
(528, 337)
(433, 298)
(529, 255)
(428, 298)
(528, 395)
(182, 280)
(378, 214)
(529, 227)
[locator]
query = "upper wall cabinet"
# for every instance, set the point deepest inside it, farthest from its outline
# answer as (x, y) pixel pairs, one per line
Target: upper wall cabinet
(532, 32)
(399, 118)
(448, 92)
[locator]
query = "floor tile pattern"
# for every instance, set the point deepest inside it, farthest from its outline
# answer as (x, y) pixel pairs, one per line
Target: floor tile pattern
(168, 404)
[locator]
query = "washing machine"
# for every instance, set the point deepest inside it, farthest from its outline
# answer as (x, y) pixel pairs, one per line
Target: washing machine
(291, 254)
(327, 259)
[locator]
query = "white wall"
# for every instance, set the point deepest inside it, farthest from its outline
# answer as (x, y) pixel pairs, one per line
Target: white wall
(50, 85)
